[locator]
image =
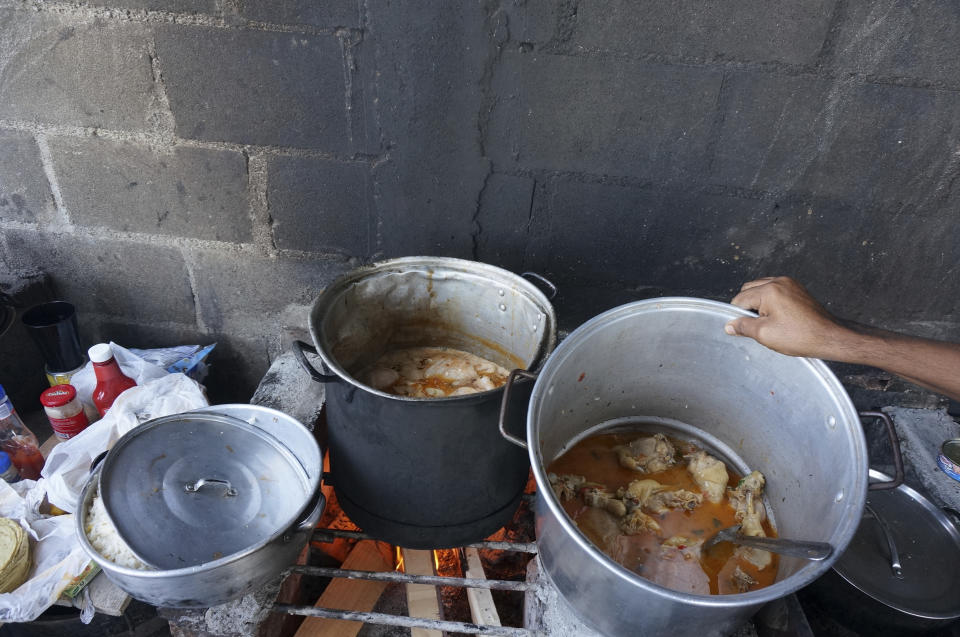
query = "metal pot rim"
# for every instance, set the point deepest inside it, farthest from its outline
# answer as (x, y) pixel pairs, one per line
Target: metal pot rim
(463, 265)
(546, 496)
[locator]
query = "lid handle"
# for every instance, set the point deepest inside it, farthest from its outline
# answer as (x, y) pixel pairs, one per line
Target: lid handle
(895, 565)
(202, 482)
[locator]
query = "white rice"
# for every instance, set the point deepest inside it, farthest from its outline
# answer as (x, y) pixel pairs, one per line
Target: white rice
(104, 538)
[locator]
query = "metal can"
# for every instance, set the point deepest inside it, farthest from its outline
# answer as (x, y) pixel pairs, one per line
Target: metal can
(949, 458)
(61, 378)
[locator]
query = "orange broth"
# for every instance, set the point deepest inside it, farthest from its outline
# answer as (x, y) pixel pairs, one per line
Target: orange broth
(594, 458)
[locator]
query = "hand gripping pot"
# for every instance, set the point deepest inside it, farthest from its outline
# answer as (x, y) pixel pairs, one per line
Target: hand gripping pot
(426, 472)
(668, 362)
(217, 501)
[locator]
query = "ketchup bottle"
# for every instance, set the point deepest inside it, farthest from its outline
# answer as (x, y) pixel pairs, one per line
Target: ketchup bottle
(111, 382)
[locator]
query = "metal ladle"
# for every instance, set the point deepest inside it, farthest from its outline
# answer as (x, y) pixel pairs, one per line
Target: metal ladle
(814, 551)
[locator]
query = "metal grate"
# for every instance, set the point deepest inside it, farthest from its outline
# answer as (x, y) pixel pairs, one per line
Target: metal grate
(329, 535)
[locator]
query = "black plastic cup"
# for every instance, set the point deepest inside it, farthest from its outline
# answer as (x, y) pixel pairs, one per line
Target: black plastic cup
(53, 327)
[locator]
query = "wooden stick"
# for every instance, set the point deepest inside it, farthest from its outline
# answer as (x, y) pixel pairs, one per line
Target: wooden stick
(348, 594)
(421, 598)
(482, 608)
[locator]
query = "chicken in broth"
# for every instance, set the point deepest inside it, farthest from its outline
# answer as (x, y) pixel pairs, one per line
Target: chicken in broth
(433, 372)
(650, 501)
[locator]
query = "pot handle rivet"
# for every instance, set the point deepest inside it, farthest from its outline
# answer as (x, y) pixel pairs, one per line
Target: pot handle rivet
(202, 482)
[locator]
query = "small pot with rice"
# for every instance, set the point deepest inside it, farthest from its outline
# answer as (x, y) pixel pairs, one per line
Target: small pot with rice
(201, 508)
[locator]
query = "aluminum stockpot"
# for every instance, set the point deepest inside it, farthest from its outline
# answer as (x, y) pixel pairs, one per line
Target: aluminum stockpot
(242, 572)
(669, 361)
(426, 472)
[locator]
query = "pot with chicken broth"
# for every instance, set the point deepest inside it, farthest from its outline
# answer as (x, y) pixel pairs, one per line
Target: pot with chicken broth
(649, 501)
(667, 364)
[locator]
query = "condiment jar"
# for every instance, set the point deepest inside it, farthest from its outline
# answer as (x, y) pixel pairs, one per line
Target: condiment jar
(111, 382)
(64, 411)
(8, 471)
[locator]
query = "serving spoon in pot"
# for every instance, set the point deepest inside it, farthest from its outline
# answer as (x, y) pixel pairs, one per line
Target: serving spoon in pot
(814, 551)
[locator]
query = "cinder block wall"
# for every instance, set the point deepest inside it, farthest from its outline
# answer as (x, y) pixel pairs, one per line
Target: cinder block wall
(197, 170)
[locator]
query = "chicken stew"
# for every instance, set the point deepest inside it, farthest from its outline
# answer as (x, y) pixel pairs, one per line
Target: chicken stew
(650, 501)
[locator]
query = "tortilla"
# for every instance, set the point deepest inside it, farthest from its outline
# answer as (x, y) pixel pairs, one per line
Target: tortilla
(14, 555)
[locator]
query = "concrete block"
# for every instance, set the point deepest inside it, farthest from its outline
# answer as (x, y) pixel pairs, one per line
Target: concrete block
(504, 221)
(615, 117)
(183, 191)
(896, 39)
(174, 6)
(240, 293)
(319, 205)
(533, 21)
(788, 31)
(137, 281)
(338, 13)
(432, 58)
(632, 238)
(24, 190)
(56, 71)
(888, 145)
(255, 87)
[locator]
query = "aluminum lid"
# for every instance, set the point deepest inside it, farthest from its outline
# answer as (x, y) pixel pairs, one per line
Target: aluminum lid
(928, 544)
(192, 488)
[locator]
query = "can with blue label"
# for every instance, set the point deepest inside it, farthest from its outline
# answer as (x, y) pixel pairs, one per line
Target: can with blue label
(949, 458)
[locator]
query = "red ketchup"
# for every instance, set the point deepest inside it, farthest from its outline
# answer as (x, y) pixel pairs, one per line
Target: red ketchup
(111, 382)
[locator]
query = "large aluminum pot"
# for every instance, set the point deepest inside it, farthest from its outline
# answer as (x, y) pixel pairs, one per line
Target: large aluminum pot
(426, 472)
(669, 361)
(242, 572)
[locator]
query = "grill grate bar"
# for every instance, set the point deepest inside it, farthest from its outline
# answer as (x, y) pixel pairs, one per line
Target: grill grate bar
(431, 580)
(328, 535)
(401, 620)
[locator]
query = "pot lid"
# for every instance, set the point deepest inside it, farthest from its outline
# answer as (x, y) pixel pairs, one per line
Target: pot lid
(192, 488)
(928, 547)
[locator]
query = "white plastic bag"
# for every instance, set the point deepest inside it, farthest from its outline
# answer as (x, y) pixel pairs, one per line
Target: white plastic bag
(57, 555)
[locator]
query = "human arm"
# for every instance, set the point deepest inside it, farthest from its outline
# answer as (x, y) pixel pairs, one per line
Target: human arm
(792, 322)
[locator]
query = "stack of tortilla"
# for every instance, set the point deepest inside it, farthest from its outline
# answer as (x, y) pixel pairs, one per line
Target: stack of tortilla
(14, 555)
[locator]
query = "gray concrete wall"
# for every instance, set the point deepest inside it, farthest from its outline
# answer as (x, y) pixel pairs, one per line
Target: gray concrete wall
(196, 170)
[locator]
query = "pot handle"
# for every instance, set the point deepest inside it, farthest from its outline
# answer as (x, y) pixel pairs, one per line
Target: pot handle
(308, 522)
(897, 456)
(502, 421)
(298, 349)
(539, 278)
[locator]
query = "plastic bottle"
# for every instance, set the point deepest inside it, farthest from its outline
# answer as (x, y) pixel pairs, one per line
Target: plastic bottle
(111, 382)
(18, 441)
(8, 471)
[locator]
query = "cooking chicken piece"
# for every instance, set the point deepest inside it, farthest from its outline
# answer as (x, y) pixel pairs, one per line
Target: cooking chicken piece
(677, 565)
(600, 498)
(566, 486)
(382, 378)
(689, 548)
(747, 499)
(709, 473)
(647, 455)
(636, 522)
(657, 497)
(741, 580)
(433, 372)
